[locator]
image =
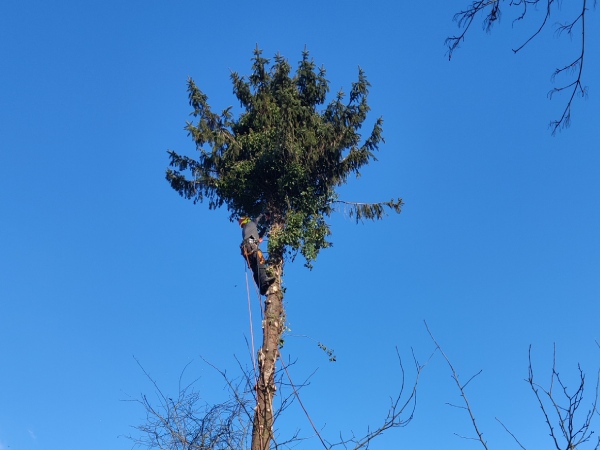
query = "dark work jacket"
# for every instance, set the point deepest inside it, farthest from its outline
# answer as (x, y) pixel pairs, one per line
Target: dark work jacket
(250, 229)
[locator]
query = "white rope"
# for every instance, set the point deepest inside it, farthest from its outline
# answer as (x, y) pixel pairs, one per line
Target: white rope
(251, 327)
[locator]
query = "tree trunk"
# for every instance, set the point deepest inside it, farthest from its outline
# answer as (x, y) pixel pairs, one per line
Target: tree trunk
(273, 325)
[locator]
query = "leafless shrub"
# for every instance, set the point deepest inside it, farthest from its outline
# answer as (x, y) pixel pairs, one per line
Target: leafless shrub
(187, 422)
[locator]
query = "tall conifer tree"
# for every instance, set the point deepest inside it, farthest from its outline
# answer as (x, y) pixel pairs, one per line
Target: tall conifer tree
(286, 153)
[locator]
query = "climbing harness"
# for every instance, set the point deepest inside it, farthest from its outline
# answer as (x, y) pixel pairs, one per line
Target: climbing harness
(256, 262)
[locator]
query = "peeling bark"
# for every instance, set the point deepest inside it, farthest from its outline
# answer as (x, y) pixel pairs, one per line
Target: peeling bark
(273, 325)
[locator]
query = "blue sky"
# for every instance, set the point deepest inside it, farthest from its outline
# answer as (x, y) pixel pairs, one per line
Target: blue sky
(497, 247)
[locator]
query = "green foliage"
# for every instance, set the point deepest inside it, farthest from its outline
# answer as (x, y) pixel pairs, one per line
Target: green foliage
(282, 154)
(329, 351)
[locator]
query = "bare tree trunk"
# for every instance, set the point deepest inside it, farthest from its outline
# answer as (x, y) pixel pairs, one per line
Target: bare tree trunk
(273, 326)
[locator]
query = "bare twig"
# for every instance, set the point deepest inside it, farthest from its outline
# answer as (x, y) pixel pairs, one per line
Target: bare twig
(509, 432)
(576, 85)
(185, 422)
(490, 10)
(562, 417)
(540, 28)
(461, 388)
(465, 18)
(398, 405)
(399, 415)
(302, 405)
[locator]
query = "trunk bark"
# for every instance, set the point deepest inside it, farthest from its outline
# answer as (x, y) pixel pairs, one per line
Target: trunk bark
(273, 325)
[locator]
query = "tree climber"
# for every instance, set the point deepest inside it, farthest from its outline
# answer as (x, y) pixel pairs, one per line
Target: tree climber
(252, 234)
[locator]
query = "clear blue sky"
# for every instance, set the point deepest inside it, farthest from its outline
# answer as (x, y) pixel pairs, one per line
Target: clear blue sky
(497, 247)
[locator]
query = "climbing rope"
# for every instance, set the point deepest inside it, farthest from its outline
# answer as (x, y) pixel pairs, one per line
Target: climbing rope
(251, 327)
(262, 312)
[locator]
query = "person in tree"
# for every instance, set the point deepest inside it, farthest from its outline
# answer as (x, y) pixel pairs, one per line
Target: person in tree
(253, 231)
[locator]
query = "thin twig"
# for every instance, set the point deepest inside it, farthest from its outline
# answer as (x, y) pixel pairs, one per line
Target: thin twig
(461, 388)
(513, 436)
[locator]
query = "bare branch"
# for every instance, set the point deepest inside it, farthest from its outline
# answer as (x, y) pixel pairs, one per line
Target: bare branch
(576, 86)
(302, 405)
(513, 436)
(461, 388)
(399, 415)
(398, 406)
(490, 10)
(562, 416)
(543, 24)
(465, 18)
(186, 422)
